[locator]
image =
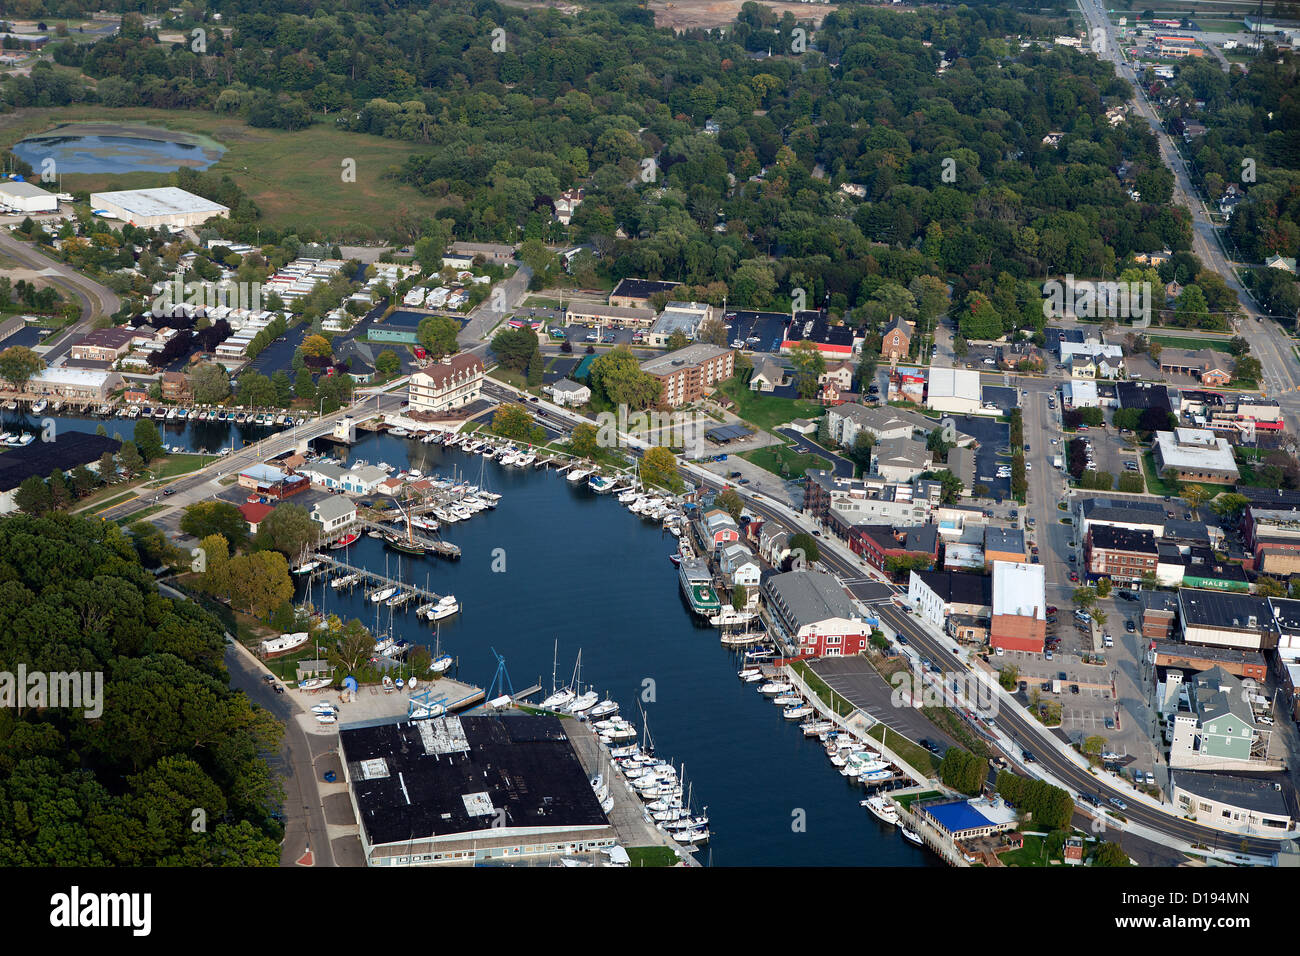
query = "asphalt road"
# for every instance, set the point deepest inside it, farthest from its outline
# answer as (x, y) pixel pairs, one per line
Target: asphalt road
(96, 300)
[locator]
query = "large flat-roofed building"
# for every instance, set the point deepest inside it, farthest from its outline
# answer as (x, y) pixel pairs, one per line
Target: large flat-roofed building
(74, 384)
(954, 390)
(683, 317)
(1122, 513)
(1226, 619)
(955, 602)
(686, 375)
(1195, 454)
(447, 385)
(1273, 539)
(164, 206)
(466, 790)
(104, 345)
(1265, 803)
(68, 450)
(1019, 607)
(636, 293)
(835, 341)
(609, 316)
(27, 197)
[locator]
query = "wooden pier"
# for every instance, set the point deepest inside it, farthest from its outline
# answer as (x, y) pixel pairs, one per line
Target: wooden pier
(443, 549)
(374, 582)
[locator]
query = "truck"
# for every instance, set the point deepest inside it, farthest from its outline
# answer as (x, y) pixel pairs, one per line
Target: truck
(1056, 687)
(1058, 461)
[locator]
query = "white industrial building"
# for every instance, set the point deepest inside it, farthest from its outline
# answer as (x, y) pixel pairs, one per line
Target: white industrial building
(164, 206)
(25, 197)
(954, 390)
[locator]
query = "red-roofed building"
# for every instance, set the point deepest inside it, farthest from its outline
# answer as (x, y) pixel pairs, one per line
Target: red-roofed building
(255, 513)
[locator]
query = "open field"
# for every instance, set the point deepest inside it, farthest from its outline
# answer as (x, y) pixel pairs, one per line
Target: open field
(294, 177)
(707, 14)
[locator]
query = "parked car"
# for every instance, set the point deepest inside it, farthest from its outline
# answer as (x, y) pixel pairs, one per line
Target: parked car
(1129, 626)
(1110, 723)
(1028, 756)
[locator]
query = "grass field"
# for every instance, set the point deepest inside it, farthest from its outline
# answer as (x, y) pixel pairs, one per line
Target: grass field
(651, 856)
(795, 463)
(1179, 342)
(294, 177)
(1156, 485)
(768, 411)
(916, 755)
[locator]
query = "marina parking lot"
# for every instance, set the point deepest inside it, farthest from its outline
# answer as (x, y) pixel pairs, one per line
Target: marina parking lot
(859, 683)
(992, 436)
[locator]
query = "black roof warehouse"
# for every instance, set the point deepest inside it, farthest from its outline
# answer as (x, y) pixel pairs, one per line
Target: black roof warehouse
(65, 452)
(469, 789)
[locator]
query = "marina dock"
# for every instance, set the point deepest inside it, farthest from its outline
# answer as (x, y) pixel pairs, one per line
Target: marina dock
(373, 581)
(628, 817)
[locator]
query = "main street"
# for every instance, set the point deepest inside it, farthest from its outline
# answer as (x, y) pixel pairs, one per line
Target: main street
(1270, 343)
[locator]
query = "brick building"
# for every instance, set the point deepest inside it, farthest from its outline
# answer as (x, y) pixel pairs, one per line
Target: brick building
(688, 374)
(1122, 554)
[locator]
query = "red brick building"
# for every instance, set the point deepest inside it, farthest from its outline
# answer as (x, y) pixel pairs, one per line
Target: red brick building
(688, 374)
(878, 543)
(896, 341)
(1122, 554)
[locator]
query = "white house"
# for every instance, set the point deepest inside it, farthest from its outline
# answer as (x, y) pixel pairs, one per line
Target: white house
(738, 567)
(334, 513)
(568, 392)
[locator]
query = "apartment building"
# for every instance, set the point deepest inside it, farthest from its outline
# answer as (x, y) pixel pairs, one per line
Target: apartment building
(453, 383)
(688, 374)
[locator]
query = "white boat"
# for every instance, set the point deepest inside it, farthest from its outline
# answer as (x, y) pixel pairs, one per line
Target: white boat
(171, 413)
(398, 432)
(583, 703)
(746, 673)
(441, 665)
(558, 699)
(753, 677)
(525, 459)
(786, 700)
(284, 643)
(577, 474)
(345, 581)
(383, 594)
(324, 708)
(384, 645)
(772, 688)
(441, 611)
(306, 567)
(743, 639)
(326, 719)
(628, 496)
(39, 406)
(397, 600)
(729, 615)
(604, 709)
(601, 483)
(913, 836)
(796, 712)
(314, 683)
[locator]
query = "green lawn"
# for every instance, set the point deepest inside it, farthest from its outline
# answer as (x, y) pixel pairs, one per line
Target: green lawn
(916, 755)
(181, 464)
(1187, 342)
(768, 411)
(1031, 854)
(1155, 483)
(652, 856)
(784, 461)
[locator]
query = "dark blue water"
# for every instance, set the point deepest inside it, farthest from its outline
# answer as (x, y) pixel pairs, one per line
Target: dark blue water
(190, 436)
(583, 570)
(115, 154)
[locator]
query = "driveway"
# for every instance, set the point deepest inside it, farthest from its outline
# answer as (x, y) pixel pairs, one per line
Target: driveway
(842, 467)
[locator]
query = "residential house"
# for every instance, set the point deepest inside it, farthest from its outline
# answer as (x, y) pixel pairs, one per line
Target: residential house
(768, 376)
(567, 392)
(718, 528)
(334, 513)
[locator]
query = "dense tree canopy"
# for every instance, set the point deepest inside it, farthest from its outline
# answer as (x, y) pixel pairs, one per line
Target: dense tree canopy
(118, 787)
